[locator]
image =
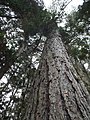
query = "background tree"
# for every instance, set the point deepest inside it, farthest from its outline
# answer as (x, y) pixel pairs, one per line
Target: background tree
(77, 35)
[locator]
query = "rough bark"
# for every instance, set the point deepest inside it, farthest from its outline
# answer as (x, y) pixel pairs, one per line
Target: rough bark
(82, 72)
(57, 93)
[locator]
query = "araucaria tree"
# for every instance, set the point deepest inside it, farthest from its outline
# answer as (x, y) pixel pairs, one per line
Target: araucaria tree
(55, 91)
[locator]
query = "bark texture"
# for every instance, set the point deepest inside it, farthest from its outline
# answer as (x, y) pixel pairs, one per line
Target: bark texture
(57, 93)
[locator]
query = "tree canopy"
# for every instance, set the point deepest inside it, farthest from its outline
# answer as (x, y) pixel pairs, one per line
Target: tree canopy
(24, 28)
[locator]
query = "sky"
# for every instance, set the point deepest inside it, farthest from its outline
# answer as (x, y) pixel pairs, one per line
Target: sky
(70, 7)
(73, 5)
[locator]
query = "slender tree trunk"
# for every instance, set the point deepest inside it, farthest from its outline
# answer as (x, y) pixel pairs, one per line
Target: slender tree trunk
(57, 93)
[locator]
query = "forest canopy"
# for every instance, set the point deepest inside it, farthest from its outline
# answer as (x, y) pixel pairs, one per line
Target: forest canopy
(25, 25)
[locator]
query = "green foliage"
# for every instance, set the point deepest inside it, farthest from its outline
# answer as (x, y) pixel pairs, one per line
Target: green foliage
(84, 11)
(22, 39)
(78, 36)
(32, 15)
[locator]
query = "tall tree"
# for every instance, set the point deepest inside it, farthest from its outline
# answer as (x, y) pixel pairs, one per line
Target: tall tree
(57, 93)
(78, 37)
(56, 90)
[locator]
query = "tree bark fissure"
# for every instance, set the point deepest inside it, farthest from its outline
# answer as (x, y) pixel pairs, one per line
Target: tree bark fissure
(78, 108)
(66, 115)
(60, 94)
(47, 92)
(37, 101)
(83, 108)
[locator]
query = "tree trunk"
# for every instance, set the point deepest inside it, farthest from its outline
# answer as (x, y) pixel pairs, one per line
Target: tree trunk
(82, 72)
(57, 93)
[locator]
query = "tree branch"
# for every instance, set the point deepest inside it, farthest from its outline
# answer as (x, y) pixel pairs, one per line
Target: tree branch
(10, 16)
